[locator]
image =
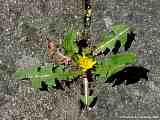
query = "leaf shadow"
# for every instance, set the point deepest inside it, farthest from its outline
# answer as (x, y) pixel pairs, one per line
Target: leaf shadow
(130, 39)
(129, 75)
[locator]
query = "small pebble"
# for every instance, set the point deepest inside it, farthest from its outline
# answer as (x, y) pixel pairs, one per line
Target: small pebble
(108, 22)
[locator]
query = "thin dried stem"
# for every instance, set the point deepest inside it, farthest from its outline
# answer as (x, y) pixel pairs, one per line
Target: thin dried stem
(86, 90)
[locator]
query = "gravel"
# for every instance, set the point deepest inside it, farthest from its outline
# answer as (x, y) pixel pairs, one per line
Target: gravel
(24, 28)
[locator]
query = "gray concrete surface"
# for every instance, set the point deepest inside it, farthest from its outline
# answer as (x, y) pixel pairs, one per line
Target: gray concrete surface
(24, 26)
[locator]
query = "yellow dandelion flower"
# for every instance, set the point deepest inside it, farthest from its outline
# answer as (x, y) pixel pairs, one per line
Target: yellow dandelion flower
(86, 63)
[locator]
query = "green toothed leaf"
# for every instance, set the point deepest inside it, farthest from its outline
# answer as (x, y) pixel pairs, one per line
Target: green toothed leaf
(51, 83)
(33, 72)
(90, 99)
(36, 83)
(69, 44)
(46, 74)
(109, 66)
(119, 32)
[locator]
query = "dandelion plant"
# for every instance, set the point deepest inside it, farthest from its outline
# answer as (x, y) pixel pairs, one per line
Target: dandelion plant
(87, 61)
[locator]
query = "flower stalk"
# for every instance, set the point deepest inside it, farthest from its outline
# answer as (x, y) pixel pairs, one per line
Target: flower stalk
(85, 80)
